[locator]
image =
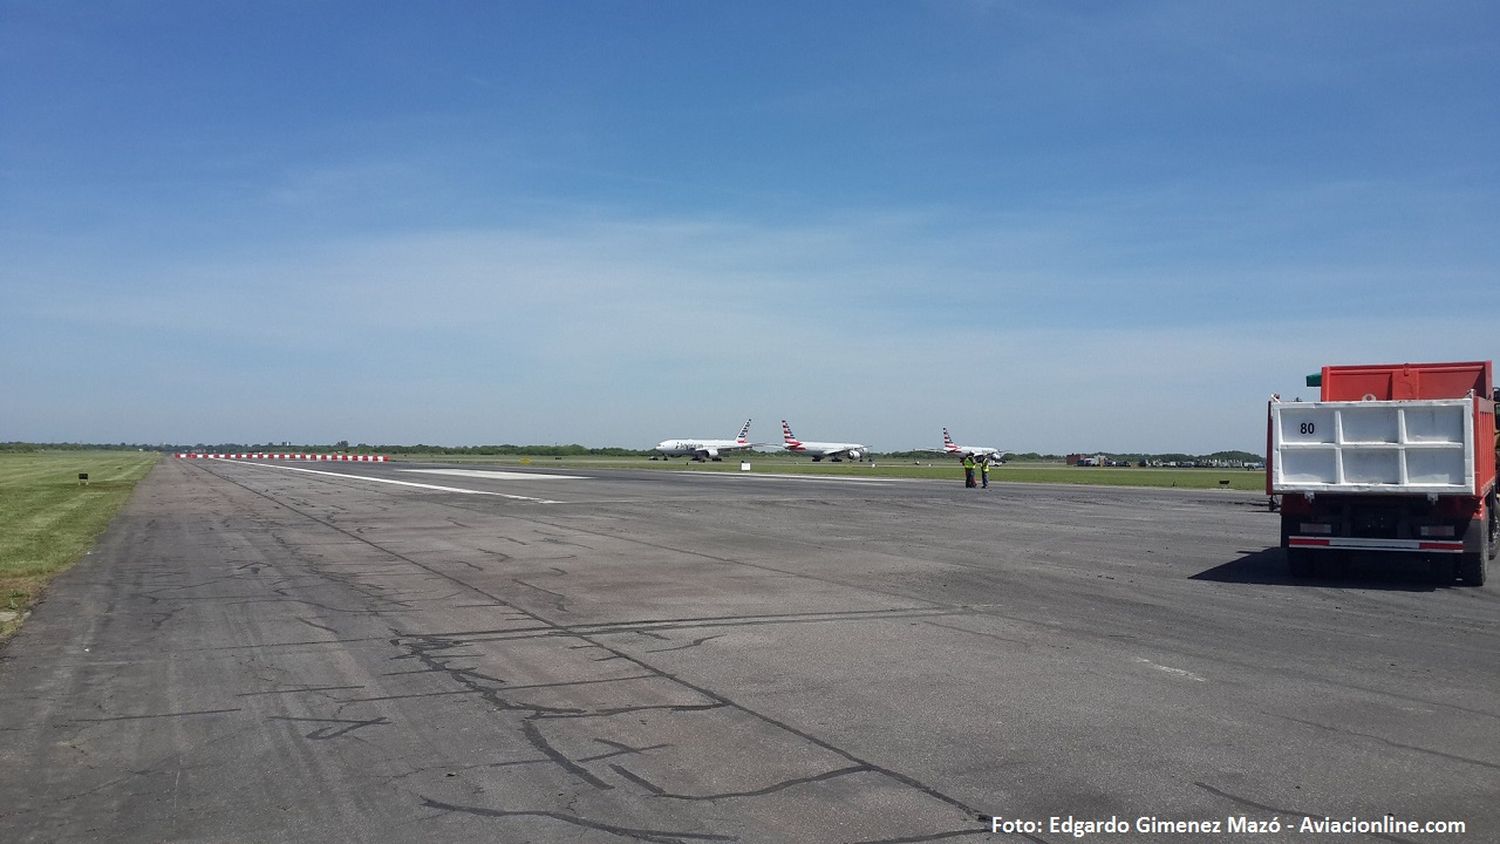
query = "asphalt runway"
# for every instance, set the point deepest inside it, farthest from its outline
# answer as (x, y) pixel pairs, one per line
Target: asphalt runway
(368, 653)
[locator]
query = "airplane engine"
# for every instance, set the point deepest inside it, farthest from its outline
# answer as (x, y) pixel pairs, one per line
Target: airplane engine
(711, 453)
(854, 454)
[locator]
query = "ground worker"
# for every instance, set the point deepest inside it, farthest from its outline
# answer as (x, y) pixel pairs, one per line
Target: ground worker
(984, 472)
(968, 470)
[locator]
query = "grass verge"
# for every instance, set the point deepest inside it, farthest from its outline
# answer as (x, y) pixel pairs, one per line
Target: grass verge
(49, 519)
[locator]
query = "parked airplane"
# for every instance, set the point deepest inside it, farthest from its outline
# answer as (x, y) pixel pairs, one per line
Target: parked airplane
(818, 451)
(700, 449)
(994, 455)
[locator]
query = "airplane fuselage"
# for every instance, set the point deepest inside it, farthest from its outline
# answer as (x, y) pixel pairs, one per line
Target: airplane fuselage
(705, 449)
(979, 452)
(699, 449)
(835, 451)
(817, 451)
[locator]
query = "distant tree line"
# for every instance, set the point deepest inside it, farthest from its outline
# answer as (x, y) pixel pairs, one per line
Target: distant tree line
(342, 446)
(928, 454)
(1177, 457)
(1131, 457)
(30, 447)
(570, 450)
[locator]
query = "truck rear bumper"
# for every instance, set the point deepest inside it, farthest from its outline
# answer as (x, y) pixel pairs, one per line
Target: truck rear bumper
(1351, 543)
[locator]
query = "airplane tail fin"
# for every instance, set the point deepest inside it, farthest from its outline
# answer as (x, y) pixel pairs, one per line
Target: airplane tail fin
(744, 437)
(786, 434)
(948, 444)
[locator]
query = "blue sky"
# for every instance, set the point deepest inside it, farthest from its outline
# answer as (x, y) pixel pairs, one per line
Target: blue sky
(1049, 227)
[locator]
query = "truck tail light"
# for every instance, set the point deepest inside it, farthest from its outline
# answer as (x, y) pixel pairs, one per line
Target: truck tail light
(1315, 527)
(1436, 530)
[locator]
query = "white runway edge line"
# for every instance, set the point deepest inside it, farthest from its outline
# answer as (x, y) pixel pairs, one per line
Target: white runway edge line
(393, 481)
(1176, 672)
(495, 474)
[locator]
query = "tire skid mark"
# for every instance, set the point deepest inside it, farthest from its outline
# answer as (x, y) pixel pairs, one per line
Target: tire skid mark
(540, 742)
(758, 792)
(693, 644)
(620, 750)
(427, 648)
(957, 833)
(154, 715)
(331, 731)
(653, 835)
(1387, 742)
(1245, 801)
(298, 690)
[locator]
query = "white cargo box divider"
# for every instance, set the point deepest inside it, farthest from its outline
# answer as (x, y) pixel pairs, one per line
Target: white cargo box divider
(1419, 447)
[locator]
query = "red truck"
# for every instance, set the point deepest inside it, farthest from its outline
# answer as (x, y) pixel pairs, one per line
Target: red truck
(1394, 459)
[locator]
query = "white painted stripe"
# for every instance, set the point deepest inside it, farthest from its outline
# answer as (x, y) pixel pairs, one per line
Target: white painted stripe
(497, 474)
(1176, 672)
(402, 483)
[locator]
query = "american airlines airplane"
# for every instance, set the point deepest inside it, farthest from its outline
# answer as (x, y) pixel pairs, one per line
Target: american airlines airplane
(818, 451)
(978, 451)
(701, 450)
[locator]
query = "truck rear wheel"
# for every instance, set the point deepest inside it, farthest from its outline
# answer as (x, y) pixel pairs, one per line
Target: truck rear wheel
(1473, 569)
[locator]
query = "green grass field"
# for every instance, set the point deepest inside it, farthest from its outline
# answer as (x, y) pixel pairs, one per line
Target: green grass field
(937, 468)
(48, 520)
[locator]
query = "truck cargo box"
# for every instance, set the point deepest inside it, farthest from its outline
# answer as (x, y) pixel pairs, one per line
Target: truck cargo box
(1423, 446)
(1406, 381)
